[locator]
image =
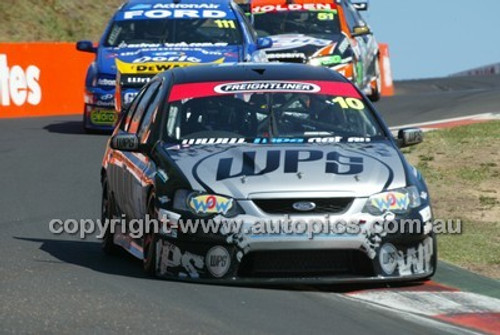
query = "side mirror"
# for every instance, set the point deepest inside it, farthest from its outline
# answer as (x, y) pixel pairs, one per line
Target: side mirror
(410, 136)
(264, 43)
(361, 6)
(86, 46)
(361, 30)
(126, 142)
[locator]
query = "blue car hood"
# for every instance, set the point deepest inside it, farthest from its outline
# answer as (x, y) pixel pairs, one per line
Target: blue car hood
(166, 54)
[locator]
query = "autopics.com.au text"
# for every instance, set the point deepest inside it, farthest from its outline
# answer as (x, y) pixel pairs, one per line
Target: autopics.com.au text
(137, 228)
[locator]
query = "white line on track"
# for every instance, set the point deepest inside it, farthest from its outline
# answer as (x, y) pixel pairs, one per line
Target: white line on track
(432, 303)
(414, 318)
(429, 124)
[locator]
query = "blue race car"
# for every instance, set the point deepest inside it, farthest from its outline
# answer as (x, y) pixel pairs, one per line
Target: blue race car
(147, 37)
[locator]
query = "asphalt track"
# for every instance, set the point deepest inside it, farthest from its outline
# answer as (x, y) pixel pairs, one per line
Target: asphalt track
(60, 284)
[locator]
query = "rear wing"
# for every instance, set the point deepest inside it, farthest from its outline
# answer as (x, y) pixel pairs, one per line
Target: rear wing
(131, 77)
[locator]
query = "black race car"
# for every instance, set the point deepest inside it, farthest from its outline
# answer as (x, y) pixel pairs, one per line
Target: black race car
(264, 172)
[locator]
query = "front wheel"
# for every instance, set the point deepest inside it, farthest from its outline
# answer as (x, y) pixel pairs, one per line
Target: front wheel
(107, 214)
(149, 241)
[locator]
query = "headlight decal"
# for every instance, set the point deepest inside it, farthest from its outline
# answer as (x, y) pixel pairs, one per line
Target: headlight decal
(210, 204)
(391, 201)
(398, 201)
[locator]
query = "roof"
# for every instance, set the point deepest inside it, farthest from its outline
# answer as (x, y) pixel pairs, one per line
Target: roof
(253, 71)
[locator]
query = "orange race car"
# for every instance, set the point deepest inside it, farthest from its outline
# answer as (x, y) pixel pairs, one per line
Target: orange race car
(328, 33)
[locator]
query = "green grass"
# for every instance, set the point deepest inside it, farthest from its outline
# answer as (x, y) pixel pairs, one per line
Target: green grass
(462, 169)
(478, 246)
(488, 202)
(54, 20)
(476, 175)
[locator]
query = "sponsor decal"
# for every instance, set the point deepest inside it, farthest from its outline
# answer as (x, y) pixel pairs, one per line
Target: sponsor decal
(278, 140)
(274, 140)
(267, 86)
(176, 6)
(279, 56)
(153, 68)
(162, 59)
(416, 260)
(106, 82)
(19, 86)
(392, 201)
(293, 7)
(171, 258)
(180, 46)
(325, 61)
(129, 97)
(106, 97)
(426, 214)
(292, 41)
(218, 261)
(335, 163)
(127, 142)
(210, 204)
(207, 89)
(137, 80)
(103, 117)
(388, 257)
(343, 45)
(100, 103)
(104, 100)
(208, 141)
(195, 44)
(320, 140)
(175, 13)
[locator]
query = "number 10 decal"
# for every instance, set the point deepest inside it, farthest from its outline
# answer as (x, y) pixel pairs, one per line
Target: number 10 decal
(349, 103)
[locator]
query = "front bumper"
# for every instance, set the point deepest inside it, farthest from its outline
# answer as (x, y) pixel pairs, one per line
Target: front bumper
(247, 258)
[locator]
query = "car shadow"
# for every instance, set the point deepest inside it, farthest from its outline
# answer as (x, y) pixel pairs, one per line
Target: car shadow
(72, 128)
(89, 255)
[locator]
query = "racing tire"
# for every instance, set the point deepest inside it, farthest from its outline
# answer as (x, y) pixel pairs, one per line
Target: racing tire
(149, 240)
(108, 213)
(376, 93)
(86, 130)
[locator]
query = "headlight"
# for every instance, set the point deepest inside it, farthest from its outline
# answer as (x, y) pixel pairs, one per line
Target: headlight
(326, 61)
(399, 201)
(204, 205)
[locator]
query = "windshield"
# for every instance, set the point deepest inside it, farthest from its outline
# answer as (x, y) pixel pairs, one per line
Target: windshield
(188, 31)
(268, 115)
(321, 24)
